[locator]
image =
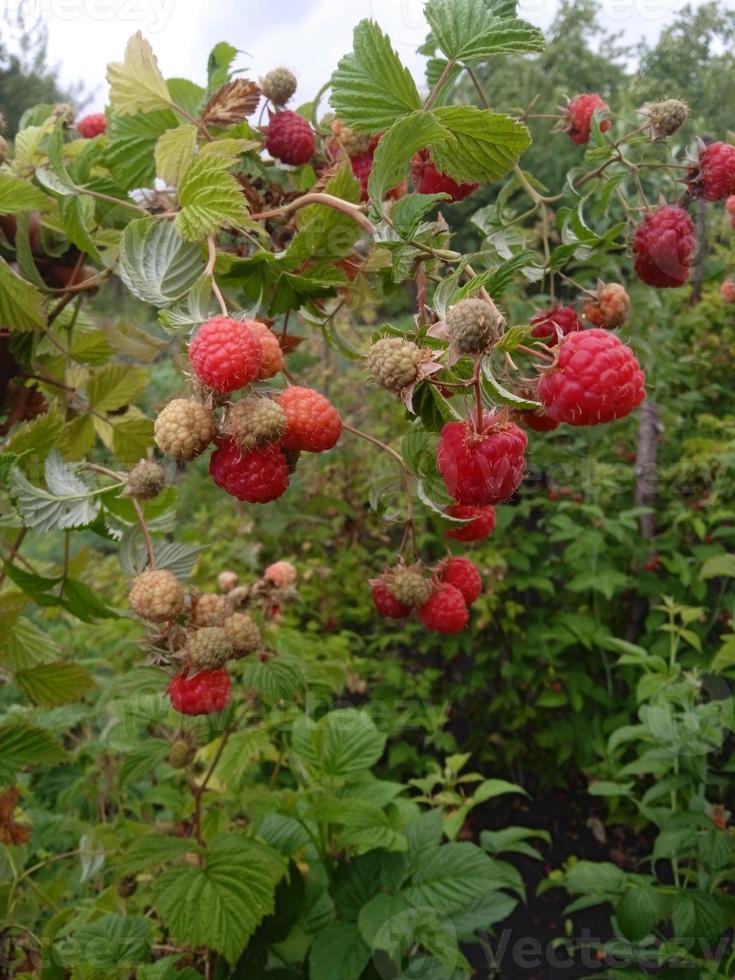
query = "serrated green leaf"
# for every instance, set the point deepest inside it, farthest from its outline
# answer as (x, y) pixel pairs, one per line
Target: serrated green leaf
(370, 88)
(37, 438)
(483, 145)
(67, 502)
(501, 395)
(156, 264)
(175, 152)
(49, 685)
(107, 945)
(394, 152)
(339, 952)
(21, 304)
(133, 139)
(24, 645)
(77, 217)
(210, 199)
(278, 679)
(721, 566)
(148, 853)
(132, 437)
(451, 876)
(17, 196)
(218, 64)
(136, 84)
(115, 386)
(341, 744)
(221, 904)
(470, 31)
(26, 745)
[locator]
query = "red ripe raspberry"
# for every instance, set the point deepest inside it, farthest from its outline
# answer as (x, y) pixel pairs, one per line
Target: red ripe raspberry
(481, 522)
(225, 354)
(93, 125)
(730, 204)
(205, 693)
(652, 563)
(545, 323)
(256, 477)
(386, 604)
(313, 424)
(714, 179)
(538, 420)
(429, 180)
(579, 116)
(290, 138)
(596, 378)
(484, 467)
(664, 245)
(446, 611)
(362, 166)
(727, 291)
(464, 575)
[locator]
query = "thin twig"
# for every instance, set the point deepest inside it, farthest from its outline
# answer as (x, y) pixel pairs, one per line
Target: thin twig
(318, 198)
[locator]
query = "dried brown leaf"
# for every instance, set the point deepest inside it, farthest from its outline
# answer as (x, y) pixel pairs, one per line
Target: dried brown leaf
(231, 103)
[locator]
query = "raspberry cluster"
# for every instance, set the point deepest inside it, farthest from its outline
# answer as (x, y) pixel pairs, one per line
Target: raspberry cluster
(198, 633)
(482, 461)
(93, 125)
(549, 325)
(257, 438)
(664, 247)
(441, 597)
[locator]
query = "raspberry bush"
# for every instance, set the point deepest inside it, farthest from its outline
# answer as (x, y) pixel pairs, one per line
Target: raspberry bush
(259, 246)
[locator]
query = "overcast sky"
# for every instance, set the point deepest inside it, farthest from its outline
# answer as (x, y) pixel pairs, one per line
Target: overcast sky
(308, 36)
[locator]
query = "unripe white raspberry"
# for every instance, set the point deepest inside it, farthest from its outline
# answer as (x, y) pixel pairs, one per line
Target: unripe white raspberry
(227, 581)
(279, 85)
(665, 117)
(281, 573)
(409, 587)
(473, 325)
(242, 633)
(184, 429)
(255, 422)
(156, 595)
(394, 362)
(208, 609)
(209, 648)
(146, 480)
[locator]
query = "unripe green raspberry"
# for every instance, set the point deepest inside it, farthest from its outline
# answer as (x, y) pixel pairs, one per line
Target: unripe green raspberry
(184, 429)
(473, 325)
(156, 595)
(394, 362)
(146, 480)
(279, 85)
(242, 633)
(181, 753)
(255, 422)
(208, 609)
(665, 117)
(355, 144)
(409, 587)
(209, 648)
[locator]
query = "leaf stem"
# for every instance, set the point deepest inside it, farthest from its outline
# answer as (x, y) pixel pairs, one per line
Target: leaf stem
(434, 94)
(318, 198)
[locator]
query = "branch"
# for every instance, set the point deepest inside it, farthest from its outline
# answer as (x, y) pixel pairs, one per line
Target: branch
(305, 200)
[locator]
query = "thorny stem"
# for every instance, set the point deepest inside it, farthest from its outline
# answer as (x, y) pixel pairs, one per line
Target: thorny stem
(150, 550)
(195, 122)
(198, 791)
(535, 353)
(329, 200)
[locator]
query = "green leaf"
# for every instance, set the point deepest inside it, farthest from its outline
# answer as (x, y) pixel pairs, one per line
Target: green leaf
(77, 215)
(136, 84)
(638, 912)
(342, 744)
(339, 952)
(210, 198)
(221, 904)
(24, 645)
(469, 30)
(594, 877)
(606, 788)
(26, 745)
(371, 88)
(721, 566)
(488, 789)
(17, 196)
(175, 152)
(450, 877)
(38, 437)
(20, 302)
(133, 139)
(67, 502)
(115, 386)
(278, 679)
(483, 145)
(149, 852)
(156, 264)
(218, 64)
(697, 915)
(132, 436)
(325, 232)
(501, 395)
(109, 943)
(50, 685)
(394, 152)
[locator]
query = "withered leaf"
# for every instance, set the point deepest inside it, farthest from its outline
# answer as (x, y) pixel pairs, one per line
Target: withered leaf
(231, 103)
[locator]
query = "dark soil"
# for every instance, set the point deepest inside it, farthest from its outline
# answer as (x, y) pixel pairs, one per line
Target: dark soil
(523, 945)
